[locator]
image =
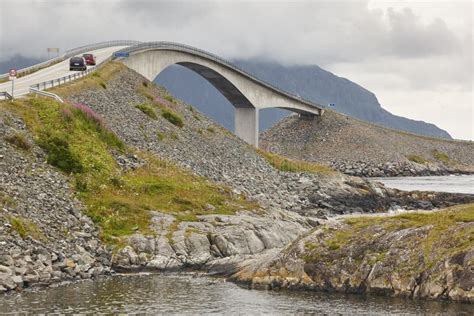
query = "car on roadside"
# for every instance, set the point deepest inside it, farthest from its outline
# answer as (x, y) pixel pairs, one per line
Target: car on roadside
(90, 59)
(77, 63)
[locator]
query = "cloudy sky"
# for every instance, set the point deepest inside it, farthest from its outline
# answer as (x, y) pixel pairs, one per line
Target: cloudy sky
(416, 56)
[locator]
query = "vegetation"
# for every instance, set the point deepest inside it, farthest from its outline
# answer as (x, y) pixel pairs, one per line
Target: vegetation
(26, 228)
(172, 117)
(18, 140)
(441, 156)
(148, 110)
(78, 142)
(447, 234)
(170, 99)
(211, 129)
(97, 80)
(288, 165)
(6, 200)
(417, 159)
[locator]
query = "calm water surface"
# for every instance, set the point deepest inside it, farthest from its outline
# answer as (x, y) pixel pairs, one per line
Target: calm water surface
(453, 184)
(186, 294)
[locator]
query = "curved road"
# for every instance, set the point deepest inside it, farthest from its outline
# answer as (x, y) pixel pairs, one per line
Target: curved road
(61, 69)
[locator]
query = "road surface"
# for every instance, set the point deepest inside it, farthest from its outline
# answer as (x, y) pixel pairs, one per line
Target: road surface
(22, 85)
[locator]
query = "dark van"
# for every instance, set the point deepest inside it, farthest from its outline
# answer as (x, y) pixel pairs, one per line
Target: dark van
(77, 63)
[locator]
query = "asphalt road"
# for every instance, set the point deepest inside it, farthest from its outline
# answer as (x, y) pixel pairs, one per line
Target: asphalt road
(55, 71)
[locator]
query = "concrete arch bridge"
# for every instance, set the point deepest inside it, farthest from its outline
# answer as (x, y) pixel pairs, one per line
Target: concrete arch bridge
(245, 92)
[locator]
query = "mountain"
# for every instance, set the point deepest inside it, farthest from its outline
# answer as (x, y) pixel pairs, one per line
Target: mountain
(17, 62)
(310, 82)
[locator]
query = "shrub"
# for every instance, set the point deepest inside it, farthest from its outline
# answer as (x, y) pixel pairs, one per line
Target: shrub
(288, 165)
(173, 118)
(103, 85)
(211, 129)
(59, 155)
(18, 140)
(417, 159)
(148, 110)
(441, 156)
(26, 228)
(170, 99)
(160, 136)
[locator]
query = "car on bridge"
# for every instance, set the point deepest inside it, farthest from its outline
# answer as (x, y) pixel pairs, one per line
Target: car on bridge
(77, 63)
(90, 59)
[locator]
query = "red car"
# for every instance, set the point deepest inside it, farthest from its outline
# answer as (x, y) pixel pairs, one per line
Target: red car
(90, 59)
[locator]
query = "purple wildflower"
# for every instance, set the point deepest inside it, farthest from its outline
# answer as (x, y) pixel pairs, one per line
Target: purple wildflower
(90, 114)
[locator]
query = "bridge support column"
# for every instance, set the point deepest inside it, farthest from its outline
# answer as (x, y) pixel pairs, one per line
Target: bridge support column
(246, 125)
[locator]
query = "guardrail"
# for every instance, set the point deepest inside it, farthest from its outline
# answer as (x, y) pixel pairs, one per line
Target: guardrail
(202, 53)
(59, 81)
(46, 94)
(6, 96)
(70, 53)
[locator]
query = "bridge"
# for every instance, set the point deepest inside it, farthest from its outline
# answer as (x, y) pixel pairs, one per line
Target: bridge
(244, 91)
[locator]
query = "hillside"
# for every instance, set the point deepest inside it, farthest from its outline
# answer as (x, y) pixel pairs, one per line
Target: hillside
(125, 177)
(360, 148)
(310, 82)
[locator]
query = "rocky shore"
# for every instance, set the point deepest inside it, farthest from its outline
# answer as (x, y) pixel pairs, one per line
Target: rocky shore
(370, 255)
(68, 225)
(362, 149)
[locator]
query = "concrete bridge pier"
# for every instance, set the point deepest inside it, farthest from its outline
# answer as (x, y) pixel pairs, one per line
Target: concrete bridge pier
(246, 124)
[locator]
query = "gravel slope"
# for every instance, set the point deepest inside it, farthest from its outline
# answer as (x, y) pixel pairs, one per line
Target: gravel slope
(361, 148)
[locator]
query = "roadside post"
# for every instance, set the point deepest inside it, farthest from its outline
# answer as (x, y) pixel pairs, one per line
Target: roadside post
(12, 77)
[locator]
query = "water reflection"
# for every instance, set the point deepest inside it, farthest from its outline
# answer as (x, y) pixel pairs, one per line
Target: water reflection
(187, 294)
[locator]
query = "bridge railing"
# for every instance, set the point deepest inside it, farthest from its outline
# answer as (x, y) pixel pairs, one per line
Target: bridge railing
(207, 55)
(70, 53)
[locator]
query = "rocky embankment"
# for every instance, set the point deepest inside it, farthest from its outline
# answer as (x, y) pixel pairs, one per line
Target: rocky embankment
(44, 235)
(362, 149)
(412, 255)
(138, 163)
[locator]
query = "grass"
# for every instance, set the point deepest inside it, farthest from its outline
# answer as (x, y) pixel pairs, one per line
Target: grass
(170, 99)
(26, 228)
(447, 235)
(441, 156)
(160, 135)
(172, 117)
(211, 130)
(148, 110)
(158, 186)
(79, 143)
(6, 200)
(18, 140)
(417, 159)
(288, 165)
(97, 80)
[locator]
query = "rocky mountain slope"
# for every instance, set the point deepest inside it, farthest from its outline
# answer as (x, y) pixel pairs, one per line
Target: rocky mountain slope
(310, 82)
(360, 148)
(156, 182)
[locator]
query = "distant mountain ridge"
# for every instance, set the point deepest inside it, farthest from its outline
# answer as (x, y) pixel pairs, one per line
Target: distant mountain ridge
(310, 82)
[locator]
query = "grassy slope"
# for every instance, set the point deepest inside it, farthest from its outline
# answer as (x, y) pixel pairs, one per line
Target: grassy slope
(81, 145)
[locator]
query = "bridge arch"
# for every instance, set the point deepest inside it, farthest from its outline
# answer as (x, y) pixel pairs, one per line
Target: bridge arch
(245, 92)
